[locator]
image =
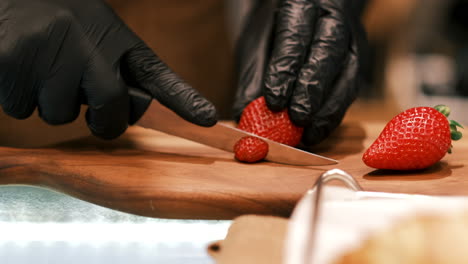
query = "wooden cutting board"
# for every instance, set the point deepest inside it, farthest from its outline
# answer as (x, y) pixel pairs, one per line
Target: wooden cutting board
(153, 174)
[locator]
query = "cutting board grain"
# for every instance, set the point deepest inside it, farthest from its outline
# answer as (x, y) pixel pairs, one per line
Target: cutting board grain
(153, 174)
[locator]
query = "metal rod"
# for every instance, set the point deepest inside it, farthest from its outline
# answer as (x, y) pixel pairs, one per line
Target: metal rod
(334, 174)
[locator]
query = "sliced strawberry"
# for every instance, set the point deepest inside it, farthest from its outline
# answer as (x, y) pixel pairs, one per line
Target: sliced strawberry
(250, 149)
(258, 119)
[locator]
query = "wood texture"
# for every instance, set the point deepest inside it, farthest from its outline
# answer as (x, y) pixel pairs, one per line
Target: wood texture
(153, 174)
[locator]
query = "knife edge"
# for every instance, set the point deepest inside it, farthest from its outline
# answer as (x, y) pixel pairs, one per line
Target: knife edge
(222, 136)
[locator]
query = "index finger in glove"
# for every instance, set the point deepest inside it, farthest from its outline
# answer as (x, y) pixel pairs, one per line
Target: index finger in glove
(325, 62)
(147, 71)
(293, 33)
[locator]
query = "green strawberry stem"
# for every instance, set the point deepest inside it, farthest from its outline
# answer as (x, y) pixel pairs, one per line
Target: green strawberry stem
(454, 133)
(445, 110)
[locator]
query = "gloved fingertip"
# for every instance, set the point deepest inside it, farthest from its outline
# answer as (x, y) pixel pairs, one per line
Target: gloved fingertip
(300, 113)
(103, 128)
(274, 103)
(277, 91)
(106, 136)
(56, 120)
(209, 119)
(300, 119)
(21, 114)
(313, 135)
(206, 114)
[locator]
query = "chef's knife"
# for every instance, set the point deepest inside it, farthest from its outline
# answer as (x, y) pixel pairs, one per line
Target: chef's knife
(221, 136)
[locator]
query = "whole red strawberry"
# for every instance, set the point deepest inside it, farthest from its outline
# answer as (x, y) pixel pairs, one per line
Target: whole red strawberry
(414, 139)
(258, 119)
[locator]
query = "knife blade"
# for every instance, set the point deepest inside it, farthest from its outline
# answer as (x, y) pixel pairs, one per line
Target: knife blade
(222, 136)
(151, 114)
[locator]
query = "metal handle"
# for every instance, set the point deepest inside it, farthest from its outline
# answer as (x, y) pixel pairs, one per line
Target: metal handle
(334, 174)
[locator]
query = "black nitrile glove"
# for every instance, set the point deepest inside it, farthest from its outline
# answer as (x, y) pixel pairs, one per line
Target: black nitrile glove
(57, 54)
(305, 55)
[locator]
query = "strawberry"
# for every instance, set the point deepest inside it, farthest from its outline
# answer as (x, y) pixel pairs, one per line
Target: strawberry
(250, 149)
(414, 139)
(258, 119)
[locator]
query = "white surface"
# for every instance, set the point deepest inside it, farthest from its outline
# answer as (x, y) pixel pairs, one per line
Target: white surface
(346, 218)
(41, 226)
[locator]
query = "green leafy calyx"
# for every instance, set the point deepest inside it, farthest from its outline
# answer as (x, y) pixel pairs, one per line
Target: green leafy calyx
(454, 133)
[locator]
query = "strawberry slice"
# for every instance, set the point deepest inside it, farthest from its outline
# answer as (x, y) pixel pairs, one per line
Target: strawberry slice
(250, 149)
(258, 119)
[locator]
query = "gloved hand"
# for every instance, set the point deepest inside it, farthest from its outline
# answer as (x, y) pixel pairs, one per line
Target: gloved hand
(57, 54)
(304, 55)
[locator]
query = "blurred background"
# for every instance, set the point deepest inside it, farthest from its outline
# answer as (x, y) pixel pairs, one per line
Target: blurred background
(419, 56)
